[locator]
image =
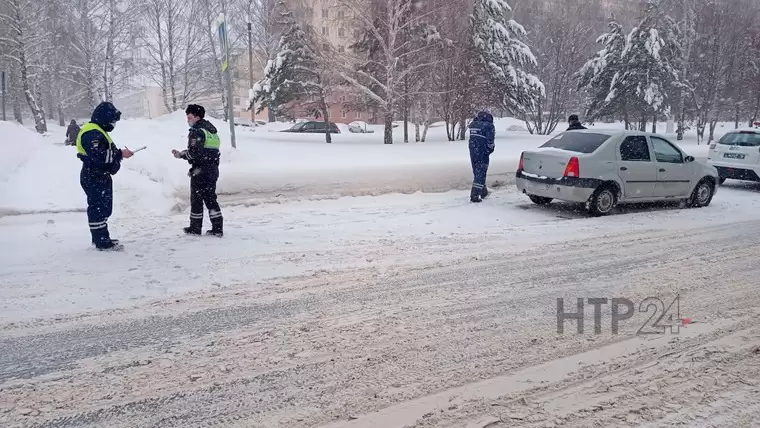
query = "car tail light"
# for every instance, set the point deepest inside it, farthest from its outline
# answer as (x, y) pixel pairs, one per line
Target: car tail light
(573, 168)
(520, 166)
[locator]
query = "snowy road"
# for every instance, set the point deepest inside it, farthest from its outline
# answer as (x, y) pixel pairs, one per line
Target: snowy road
(392, 311)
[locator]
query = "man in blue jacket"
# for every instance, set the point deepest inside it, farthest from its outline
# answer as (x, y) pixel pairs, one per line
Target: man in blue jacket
(482, 133)
(100, 160)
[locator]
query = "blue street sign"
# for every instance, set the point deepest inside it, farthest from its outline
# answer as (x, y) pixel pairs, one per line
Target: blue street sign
(222, 25)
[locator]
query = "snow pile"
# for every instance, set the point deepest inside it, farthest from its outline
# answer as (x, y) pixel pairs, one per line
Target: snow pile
(39, 174)
(517, 128)
(35, 175)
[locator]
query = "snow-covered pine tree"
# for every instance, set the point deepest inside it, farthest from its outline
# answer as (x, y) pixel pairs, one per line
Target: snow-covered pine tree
(297, 73)
(497, 41)
(596, 76)
(649, 65)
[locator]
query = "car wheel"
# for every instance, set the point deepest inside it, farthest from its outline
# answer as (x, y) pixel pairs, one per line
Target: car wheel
(540, 200)
(602, 201)
(702, 194)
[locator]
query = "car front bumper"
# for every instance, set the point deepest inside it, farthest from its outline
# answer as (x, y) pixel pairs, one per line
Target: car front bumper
(565, 189)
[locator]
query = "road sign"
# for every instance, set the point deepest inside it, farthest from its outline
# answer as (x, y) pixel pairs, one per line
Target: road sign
(223, 41)
(221, 25)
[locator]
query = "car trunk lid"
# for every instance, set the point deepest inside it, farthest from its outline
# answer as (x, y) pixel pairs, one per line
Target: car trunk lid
(547, 163)
(551, 160)
(740, 148)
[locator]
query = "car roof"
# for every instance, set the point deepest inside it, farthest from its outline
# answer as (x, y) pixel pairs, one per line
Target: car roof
(617, 132)
(745, 130)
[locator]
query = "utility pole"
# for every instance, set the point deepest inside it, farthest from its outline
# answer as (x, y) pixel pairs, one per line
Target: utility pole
(250, 71)
(224, 44)
(3, 90)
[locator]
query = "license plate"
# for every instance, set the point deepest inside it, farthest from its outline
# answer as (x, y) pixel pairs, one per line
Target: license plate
(733, 155)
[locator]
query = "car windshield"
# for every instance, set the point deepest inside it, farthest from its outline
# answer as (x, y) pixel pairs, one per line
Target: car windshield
(581, 142)
(743, 139)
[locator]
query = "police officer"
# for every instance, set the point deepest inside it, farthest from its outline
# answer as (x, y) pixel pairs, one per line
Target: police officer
(203, 155)
(574, 123)
(100, 160)
(482, 133)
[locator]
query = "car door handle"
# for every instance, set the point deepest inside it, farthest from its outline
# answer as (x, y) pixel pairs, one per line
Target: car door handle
(622, 168)
(662, 169)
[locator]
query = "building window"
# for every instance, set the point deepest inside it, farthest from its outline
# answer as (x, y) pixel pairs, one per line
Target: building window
(341, 32)
(325, 31)
(341, 49)
(341, 14)
(325, 13)
(237, 101)
(343, 114)
(343, 98)
(358, 115)
(326, 46)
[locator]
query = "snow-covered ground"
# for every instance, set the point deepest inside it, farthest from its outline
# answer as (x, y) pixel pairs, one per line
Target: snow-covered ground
(266, 165)
(356, 285)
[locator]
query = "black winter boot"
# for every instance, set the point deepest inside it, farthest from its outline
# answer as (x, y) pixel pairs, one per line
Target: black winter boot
(217, 227)
(192, 231)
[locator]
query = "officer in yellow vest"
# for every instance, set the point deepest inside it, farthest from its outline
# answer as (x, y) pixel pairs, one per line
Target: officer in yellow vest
(203, 155)
(100, 160)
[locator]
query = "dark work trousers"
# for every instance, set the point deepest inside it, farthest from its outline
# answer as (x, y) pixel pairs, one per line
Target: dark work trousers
(203, 191)
(479, 158)
(99, 190)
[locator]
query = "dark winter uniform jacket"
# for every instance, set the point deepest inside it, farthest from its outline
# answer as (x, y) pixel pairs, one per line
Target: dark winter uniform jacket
(199, 153)
(482, 134)
(72, 132)
(100, 158)
(575, 126)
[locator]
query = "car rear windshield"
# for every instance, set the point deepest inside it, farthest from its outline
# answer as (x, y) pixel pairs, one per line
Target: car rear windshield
(743, 139)
(581, 142)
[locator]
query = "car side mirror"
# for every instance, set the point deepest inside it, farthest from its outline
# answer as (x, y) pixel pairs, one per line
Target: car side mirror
(689, 159)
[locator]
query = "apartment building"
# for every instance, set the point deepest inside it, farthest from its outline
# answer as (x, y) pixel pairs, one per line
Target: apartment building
(332, 24)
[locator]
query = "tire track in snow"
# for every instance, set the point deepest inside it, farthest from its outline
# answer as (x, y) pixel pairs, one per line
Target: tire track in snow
(355, 343)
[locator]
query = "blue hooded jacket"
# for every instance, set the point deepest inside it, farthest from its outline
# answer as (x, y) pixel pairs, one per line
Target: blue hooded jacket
(482, 133)
(102, 159)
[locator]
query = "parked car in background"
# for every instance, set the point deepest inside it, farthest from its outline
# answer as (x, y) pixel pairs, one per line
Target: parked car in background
(248, 123)
(359, 127)
(737, 155)
(313, 127)
(603, 169)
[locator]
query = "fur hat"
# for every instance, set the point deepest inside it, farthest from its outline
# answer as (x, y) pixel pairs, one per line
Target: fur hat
(196, 110)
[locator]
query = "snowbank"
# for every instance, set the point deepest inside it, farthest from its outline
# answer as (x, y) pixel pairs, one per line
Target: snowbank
(42, 175)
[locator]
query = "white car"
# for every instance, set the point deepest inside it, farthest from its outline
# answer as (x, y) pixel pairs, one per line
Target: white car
(603, 169)
(359, 127)
(737, 155)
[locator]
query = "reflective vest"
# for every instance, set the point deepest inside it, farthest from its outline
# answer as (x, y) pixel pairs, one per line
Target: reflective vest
(212, 140)
(91, 127)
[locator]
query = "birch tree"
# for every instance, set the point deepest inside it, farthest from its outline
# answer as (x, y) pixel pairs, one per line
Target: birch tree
(393, 36)
(561, 36)
(27, 46)
(177, 49)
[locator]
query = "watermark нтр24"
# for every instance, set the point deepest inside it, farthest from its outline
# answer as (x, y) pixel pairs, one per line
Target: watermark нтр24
(663, 316)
